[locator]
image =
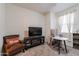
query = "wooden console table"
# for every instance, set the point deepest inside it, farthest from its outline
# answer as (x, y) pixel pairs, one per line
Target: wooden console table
(33, 41)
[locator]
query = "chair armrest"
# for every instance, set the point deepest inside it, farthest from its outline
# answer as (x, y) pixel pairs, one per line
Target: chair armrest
(22, 42)
(6, 49)
(5, 45)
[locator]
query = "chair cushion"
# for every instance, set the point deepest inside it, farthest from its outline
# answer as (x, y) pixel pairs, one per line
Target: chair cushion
(15, 47)
(12, 41)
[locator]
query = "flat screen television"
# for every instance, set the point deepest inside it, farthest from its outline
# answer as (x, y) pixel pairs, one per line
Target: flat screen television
(35, 31)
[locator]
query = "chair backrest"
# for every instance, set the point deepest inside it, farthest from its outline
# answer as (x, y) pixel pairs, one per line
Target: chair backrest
(5, 38)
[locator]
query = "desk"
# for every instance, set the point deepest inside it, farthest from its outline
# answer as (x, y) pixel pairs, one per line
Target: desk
(59, 41)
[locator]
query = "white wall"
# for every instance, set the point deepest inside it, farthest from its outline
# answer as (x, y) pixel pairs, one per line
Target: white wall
(76, 21)
(51, 23)
(53, 20)
(2, 24)
(19, 19)
(47, 27)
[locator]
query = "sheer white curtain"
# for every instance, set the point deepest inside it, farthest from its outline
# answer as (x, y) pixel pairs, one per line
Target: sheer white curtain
(66, 22)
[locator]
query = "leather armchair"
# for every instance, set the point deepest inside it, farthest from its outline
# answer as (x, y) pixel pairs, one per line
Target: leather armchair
(12, 44)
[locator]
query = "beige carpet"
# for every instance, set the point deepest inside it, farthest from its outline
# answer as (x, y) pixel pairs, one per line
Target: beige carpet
(45, 50)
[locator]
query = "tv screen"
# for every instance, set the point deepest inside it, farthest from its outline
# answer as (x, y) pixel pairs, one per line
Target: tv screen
(35, 31)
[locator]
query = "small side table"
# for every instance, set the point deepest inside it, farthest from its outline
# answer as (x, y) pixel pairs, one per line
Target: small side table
(59, 41)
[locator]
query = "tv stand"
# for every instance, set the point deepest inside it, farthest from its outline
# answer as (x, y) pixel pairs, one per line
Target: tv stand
(33, 41)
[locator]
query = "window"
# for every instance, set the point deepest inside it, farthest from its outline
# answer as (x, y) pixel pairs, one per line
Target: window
(66, 22)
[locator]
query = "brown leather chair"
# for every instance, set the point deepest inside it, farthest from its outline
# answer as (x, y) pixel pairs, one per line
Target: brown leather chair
(12, 44)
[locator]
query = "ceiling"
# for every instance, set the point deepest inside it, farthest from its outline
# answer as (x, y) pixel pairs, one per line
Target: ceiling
(39, 7)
